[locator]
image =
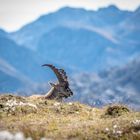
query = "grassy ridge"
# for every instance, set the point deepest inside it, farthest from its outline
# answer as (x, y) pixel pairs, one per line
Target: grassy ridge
(38, 118)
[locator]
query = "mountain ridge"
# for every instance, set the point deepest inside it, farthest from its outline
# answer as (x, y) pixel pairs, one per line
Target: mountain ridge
(106, 21)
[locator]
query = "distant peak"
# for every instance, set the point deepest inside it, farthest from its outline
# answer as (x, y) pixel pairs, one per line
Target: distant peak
(113, 7)
(138, 9)
(110, 8)
(69, 9)
(2, 32)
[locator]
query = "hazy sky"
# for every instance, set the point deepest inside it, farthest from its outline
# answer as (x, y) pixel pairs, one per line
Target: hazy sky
(16, 13)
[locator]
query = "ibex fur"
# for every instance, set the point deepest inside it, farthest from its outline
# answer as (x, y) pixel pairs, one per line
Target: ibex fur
(58, 90)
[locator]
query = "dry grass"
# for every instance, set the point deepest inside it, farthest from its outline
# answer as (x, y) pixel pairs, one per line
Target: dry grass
(38, 118)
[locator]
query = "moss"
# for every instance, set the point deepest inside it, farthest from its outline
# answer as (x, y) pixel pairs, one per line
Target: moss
(5, 98)
(116, 110)
(16, 108)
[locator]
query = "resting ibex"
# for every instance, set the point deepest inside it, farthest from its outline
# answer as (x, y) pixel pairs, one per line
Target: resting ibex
(61, 89)
(58, 90)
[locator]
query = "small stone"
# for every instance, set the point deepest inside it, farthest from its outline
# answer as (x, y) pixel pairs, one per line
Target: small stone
(5, 135)
(136, 122)
(70, 103)
(119, 132)
(56, 104)
(107, 129)
(115, 126)
(19, 136)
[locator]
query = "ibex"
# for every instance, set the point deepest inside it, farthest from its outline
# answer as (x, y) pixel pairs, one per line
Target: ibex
(60, 89)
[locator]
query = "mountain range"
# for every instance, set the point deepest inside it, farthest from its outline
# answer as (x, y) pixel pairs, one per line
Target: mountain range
(100, 45)
(84, 34)
(115, 85)
(20, 67)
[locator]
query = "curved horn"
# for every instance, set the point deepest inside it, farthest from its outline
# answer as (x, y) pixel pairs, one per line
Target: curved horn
(60, 74)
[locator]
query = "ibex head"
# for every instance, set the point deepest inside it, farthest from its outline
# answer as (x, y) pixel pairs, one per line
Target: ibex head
(61, 89)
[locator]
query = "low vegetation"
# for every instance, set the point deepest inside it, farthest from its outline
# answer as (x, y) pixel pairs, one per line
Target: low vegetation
(44, 119)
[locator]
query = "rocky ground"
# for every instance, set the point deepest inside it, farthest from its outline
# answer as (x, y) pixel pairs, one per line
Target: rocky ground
(38, 119)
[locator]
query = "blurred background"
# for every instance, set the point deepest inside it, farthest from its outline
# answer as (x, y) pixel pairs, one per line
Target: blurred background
(97, 42)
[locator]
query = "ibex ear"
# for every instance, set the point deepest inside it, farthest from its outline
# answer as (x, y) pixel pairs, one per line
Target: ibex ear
(52, 84)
